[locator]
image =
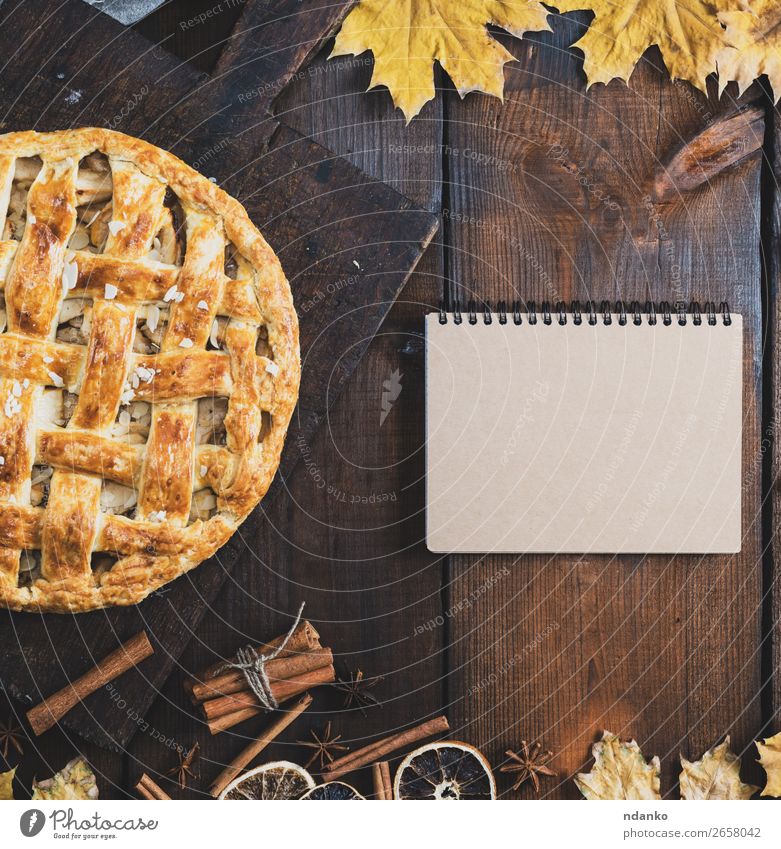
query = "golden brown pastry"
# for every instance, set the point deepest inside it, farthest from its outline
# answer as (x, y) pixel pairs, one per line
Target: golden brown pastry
(149, 366)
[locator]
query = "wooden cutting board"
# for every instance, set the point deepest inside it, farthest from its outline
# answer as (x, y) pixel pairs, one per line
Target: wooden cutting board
(347, 243)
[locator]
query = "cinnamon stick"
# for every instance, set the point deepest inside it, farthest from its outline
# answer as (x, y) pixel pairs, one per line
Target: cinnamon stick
(256, 746)
(383, 789)
(149, 789)
(297, 685)
(278, 669)
(305, 638)
(282, 689)
(382, 748)
(50, 711)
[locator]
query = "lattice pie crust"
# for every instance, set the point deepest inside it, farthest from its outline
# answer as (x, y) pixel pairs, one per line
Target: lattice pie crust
(149, 367)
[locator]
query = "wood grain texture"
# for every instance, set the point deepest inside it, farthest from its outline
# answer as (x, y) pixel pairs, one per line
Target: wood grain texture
(300, 195)
(232, 107)
(103, 74)
(554, 204)
(732, 136)
(770, 448)
(181, 29)
(330, 104)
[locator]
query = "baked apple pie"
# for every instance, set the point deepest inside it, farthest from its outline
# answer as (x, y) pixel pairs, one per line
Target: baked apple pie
(149, 367)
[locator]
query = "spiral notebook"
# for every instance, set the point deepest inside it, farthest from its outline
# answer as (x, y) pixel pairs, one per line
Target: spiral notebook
(582, 430)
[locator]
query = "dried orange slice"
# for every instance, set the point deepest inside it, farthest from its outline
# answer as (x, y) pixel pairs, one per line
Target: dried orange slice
(446, 770)
(333, 791)
(275, 780)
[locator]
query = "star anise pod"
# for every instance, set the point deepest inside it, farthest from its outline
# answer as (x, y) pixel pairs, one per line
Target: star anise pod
(184, 770)
(528, 764)
(323, 745)
(356, 689)
(11, 735)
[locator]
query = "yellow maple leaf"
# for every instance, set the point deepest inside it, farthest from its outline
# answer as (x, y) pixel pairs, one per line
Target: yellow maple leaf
(620, 772)
(753, 46)
(687, 32)
(407, 36)
(770, 758)
(716, 775)
(6, 784)
(75, 781)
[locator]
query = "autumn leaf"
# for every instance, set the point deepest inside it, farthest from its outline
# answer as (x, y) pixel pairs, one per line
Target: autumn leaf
(620, 772)
(687, 32)
(406, 38)
(75, 781)
(715, 776)
(6, 784)
(753, 46)
(770, 758)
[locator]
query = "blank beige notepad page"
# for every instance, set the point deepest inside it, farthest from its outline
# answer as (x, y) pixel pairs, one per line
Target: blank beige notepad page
(583, 438)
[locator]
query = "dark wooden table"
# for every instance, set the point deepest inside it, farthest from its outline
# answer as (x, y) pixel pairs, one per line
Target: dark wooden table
(547, 196)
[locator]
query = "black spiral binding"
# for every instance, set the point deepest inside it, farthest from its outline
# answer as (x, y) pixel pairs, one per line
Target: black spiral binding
(589, 313)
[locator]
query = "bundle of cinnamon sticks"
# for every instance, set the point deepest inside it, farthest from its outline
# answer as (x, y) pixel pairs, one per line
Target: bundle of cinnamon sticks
(227, 699)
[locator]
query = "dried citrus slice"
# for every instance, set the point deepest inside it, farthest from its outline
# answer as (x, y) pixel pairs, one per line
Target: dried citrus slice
(333, 791)
(446, 770)
(275, 780)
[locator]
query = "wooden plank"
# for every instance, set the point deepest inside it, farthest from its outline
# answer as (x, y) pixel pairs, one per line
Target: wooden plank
(549, 201)
(770, 446)
(196, 31)
(363, 126)
(300, 195)
(232, 108)
(95, 71)
(348, 538)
